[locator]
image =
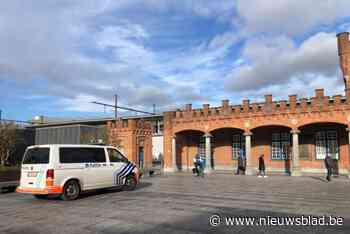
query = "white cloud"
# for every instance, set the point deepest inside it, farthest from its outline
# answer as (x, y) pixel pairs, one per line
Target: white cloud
(275, 61)
(290, 16)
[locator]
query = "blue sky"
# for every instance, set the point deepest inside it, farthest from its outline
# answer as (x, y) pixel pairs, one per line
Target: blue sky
(58, 56)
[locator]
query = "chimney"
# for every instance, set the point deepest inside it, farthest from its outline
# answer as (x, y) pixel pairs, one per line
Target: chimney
(343, 43)
(344, 57)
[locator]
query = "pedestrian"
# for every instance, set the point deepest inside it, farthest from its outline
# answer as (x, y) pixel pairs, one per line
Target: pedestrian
(328, 161)
(241, 163)
(201, 165)
(195, 164)
(244, 163)
(262, 167)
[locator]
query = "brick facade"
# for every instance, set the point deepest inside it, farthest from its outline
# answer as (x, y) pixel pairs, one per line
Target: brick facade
(132, 136)
(302, 118)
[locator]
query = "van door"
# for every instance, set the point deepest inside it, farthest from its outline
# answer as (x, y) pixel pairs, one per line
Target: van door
(34, 166)
(120, 167)
(95, 172)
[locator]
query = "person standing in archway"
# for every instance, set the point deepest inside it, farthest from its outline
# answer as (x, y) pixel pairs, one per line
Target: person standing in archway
(328, 161)
(261, 166)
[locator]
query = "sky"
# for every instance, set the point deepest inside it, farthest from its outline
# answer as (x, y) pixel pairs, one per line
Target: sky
(56, 57)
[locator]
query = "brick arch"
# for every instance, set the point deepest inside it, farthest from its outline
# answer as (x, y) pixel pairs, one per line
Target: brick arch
(224, 127)
(181, 130)
(309, 123)
(272, 125)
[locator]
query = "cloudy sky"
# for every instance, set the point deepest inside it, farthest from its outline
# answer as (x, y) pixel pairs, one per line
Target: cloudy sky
(57, 56)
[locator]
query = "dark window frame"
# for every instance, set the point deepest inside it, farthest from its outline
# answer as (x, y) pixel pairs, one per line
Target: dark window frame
(61, 149)
(38, 162)
(124, 159)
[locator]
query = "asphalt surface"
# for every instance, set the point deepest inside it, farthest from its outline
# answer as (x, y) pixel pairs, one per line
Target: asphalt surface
(183, 203)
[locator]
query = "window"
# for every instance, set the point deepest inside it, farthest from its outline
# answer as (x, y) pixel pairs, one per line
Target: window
(82, 155)
(158, 127)
(201, 147)
(37, 156)
(327, 143)
(116, 156)
(238, 145)
(280, 145)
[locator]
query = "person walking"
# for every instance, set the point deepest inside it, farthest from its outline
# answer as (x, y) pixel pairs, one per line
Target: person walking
(239, 163)
(328, 161)
(199, 163)
(244, 163)
(261, 166)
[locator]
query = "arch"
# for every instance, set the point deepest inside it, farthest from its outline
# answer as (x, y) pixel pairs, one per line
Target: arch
(309, 123)
(211, 130)
(271, 125)
(184, 130)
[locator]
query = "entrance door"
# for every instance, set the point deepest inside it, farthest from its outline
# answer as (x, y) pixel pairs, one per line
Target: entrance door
(141, 157)
(327, 143)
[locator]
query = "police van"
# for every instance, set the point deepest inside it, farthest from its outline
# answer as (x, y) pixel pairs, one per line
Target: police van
(68, 170)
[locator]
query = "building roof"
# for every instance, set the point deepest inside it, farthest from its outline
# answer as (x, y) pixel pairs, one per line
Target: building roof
(92, 121)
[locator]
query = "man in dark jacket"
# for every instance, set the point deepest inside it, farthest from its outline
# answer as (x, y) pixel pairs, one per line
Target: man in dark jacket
(261, 166)
(241, 163)
(328, 161)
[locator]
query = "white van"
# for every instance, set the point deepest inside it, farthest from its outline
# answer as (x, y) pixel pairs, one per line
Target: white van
(67, 170)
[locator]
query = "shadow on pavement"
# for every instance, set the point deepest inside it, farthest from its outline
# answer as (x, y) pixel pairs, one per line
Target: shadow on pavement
(97, 192)
(200, 224)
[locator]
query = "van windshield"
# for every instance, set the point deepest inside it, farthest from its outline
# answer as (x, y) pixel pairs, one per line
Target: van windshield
(37, 156)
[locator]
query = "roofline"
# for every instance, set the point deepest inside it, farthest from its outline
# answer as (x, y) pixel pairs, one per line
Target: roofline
(86, 121)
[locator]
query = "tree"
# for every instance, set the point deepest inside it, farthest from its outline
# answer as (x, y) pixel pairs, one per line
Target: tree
(8, 140)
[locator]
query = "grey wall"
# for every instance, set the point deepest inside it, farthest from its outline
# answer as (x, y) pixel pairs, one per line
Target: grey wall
(71, 134)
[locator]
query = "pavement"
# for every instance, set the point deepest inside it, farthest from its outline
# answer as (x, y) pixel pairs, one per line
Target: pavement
(183, 203)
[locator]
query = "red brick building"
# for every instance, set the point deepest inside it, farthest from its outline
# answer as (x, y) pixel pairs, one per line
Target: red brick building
(134, 138)
(294, 135)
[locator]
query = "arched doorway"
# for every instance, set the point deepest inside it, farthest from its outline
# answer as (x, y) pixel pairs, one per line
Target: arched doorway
(316, 140)
(188, 144)
(226, 143)
(274, 142)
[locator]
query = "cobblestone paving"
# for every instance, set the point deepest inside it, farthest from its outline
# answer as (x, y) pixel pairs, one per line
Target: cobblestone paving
(183, 203)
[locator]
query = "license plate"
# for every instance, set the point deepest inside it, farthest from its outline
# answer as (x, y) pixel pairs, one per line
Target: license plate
(32, 174)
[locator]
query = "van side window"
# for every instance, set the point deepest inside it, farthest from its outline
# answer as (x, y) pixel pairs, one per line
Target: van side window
(82, 155)
(116, 156)
(37, 156)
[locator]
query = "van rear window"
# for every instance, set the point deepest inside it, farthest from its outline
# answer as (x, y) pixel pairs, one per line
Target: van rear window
(37, 156)
(82, 155)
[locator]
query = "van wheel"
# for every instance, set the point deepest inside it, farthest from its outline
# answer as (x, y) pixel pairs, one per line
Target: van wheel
(71, 191)
(130, 183)
(40, 196)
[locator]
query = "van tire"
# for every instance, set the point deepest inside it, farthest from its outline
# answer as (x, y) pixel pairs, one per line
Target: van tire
(130, 183)
(71, 190)
(40, 196)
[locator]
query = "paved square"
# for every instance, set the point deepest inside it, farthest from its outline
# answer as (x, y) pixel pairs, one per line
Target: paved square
(183, 203)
